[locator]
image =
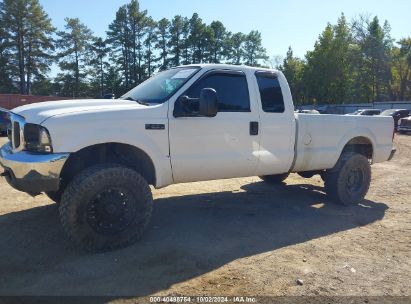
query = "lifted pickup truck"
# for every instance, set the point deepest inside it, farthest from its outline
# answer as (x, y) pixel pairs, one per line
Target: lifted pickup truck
(97, 158)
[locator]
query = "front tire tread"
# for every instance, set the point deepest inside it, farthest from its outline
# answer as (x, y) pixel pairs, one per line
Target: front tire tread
(83, 184)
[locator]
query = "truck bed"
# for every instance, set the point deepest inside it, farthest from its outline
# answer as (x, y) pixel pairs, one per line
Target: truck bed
(321, 138)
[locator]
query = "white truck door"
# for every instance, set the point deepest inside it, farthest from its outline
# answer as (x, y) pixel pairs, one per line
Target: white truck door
(224, 146)
(277, 123)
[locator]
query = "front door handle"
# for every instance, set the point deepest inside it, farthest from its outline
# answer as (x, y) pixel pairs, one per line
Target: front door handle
(253, 128)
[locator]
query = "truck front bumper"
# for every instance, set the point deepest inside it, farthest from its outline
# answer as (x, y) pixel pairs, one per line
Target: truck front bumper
(30, 172)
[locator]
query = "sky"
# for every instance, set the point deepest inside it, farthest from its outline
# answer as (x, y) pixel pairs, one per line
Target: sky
(294, 23)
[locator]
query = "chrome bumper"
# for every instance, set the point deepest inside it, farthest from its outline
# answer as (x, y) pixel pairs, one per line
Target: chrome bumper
(30, 172)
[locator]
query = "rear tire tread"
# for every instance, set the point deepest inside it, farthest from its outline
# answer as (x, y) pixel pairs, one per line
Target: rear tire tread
(55, 196)
(334, 181)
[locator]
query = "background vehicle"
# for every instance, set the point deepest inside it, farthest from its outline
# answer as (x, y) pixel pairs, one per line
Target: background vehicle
(404, 125)
(308, 111)
(4, 121)
(109, 96)
(191, 123)
(397, 114)
(366, 112)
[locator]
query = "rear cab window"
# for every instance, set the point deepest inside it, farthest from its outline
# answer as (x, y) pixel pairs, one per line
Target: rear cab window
(272, 100)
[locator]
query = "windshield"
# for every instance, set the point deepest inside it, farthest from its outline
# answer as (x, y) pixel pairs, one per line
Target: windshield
(162, 86)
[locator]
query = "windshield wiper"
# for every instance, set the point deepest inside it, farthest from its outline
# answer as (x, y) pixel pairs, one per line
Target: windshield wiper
(138, 101)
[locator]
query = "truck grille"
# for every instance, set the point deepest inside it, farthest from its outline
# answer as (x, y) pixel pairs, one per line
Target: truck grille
(16, 133)
(405, 123)
(9, 133)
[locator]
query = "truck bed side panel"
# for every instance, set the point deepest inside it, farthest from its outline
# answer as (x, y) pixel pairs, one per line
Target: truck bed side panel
(321, 138)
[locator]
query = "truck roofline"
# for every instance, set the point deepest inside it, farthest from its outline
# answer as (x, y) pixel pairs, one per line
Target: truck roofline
(228, 66)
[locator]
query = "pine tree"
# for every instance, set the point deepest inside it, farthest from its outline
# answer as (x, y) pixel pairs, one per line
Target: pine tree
(401, 70)
(317, 73)
(113, 82)
(118, 36)
(217, 45)
(235, 48)
(28, 32)
(197, 38)
(341, 83)
(99, 51)
(149, 43)
(138, 25)
(163, 36)
(176, 42)
(293, 68)
(329, 74)
(6, 68)
(253, 49)
(74, 44)
(185, 46)
(375, 45)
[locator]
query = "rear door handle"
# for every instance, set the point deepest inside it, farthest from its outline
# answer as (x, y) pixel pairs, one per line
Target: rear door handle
(253, 128)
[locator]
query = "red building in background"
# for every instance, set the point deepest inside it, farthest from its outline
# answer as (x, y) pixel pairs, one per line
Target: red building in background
(11, 101)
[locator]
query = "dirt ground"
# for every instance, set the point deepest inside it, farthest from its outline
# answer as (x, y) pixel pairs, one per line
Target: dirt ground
(232, 237)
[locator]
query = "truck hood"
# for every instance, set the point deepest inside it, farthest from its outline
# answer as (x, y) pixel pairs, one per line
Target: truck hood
(39, 112)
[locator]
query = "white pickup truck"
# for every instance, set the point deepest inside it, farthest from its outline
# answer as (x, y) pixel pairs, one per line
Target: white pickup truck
(97, 158)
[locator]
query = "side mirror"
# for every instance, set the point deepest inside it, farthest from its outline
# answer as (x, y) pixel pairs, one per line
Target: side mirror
(208, 102)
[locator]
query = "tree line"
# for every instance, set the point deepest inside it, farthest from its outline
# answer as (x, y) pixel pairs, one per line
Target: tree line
(134, 48)
(356, 62)
(350, 62)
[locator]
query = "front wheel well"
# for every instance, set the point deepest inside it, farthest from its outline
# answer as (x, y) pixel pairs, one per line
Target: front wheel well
(361, 145)
(115, 153)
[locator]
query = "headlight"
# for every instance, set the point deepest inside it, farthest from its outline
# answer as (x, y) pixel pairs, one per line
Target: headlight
(37, 138)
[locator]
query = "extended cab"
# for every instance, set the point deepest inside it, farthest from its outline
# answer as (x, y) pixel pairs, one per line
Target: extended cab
(97, 158)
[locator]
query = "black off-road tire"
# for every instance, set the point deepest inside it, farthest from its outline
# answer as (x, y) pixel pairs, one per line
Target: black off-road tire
(306, 174)
(275, 179)
(348, 182)
(55, 196)
(77, 208)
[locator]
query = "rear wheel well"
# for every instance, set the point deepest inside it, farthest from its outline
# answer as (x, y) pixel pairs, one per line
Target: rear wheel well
(114, 153)
(361, 145)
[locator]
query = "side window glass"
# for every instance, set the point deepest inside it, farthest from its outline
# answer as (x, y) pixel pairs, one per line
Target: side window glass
(270, 91)
(232, 91)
